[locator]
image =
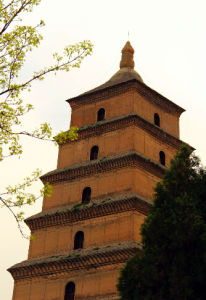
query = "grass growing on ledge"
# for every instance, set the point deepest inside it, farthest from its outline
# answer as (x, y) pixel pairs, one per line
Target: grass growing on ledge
(76, 206)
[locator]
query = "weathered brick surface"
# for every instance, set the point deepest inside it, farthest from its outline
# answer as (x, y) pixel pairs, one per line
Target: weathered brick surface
(113, 142)
(97, 232)
(102, 185)
(124, 104)
(168, 121)
(91, 284)
(116, 106)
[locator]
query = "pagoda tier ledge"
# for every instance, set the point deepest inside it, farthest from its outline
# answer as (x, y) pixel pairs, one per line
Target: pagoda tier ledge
(132, 119)
(132, 159)
(77, 260)
(113, 296)
(74, 213)
(131, 85)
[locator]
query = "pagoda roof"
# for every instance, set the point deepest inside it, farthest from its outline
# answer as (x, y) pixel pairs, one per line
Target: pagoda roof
(124, 75)
(121, 76)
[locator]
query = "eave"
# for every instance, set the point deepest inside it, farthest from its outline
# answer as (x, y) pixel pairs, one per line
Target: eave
(131, 85)
(101, 127)
(84, 259)
(106, 206)
(131, 159)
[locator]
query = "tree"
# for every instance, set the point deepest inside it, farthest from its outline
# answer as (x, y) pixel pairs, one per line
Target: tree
(16, 40)
(172, 264)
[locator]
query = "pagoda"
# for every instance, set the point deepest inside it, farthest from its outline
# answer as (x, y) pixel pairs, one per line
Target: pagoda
(102, 190)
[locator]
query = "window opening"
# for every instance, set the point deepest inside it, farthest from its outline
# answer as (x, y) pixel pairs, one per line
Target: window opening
(86, 195)
(162, 158)
(79, 240)
(94, 152)
(101, 114)
(69, 291)
(157, 119)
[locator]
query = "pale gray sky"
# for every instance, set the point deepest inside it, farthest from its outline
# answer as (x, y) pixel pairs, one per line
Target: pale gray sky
(170, 45)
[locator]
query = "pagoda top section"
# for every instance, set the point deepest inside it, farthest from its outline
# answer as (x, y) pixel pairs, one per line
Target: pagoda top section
(125, 75)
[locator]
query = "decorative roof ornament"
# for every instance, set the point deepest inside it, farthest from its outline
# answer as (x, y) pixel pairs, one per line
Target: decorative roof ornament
(127, 60)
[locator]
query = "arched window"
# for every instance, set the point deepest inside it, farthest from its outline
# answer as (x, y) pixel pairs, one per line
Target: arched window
(86, 195)
(157, 119)
(101, 114)
(162, 158)
(69, 291)
(79, 240)
(94, 152)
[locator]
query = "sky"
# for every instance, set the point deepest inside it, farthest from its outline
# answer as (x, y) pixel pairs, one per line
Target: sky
(169, 40)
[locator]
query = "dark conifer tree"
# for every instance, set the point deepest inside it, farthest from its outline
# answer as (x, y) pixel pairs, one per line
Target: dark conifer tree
(172, 265)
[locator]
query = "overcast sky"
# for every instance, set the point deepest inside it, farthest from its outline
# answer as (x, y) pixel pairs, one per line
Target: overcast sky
(170, 49)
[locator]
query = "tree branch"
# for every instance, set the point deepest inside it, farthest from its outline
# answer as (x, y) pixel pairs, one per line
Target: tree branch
(52, 69)
(14, 215)
(22, 7)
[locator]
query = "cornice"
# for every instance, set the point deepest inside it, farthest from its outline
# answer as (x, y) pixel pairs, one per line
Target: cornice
(132, 119)
(131, 85)
(79, 212)
(96, 96)
(110, 296)
(84, 259)
(131, 159)
(158, 99)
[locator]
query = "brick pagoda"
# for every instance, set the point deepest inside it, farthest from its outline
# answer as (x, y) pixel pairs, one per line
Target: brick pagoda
(102, 189)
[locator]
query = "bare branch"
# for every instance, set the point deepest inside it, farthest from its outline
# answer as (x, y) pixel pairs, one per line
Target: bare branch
(15, 216)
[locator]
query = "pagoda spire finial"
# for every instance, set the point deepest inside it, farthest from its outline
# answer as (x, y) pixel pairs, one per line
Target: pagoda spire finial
(127, 56)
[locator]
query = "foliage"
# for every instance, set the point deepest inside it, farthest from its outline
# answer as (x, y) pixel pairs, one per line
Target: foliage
(16, 41)
(172, 264)
(64, 136)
